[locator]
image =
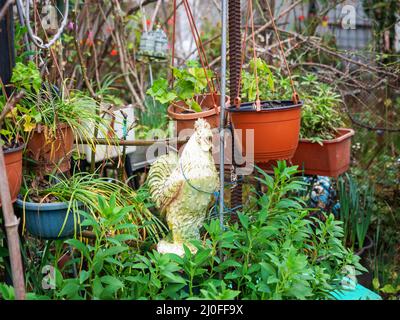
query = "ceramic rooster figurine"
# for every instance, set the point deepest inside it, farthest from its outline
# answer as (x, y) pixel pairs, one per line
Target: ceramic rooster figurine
(182, 188)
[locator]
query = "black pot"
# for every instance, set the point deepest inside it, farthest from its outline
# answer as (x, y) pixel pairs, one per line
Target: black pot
(364, 253)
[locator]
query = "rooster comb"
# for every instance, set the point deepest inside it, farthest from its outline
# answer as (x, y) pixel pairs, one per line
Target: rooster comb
(201, 124)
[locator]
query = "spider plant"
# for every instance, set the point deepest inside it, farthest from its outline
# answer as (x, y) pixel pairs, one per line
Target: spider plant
(82, 190)
(356, 208)
(49, 109)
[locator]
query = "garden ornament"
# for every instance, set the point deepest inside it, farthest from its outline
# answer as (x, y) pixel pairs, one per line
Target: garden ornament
(182, 187)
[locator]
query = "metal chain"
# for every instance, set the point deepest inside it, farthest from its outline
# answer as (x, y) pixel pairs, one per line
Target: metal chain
(37, 41)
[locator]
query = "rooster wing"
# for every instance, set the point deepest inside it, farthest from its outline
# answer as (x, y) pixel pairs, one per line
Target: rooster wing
(163, 180)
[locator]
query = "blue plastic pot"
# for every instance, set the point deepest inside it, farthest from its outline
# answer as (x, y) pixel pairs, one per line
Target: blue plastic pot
(49, 220)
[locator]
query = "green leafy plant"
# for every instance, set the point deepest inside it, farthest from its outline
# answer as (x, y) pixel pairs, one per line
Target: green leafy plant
(26, 76)
(274, 251)
(356, 209)
(320, 117)
(189, 82)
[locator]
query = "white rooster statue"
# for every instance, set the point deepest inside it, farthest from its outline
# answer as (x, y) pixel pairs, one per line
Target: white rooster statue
(183, 187)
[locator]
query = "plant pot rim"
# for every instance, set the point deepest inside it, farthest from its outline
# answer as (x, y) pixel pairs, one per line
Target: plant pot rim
(43, 206)
(171, 110)
(190, 116)
(14, 149)
(60, 125)
(344, 133)
(267, 106)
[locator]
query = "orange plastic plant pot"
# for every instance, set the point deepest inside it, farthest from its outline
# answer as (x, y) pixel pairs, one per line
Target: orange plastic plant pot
(51, 152)
(331, 159)
(276, 129)
(13, 160)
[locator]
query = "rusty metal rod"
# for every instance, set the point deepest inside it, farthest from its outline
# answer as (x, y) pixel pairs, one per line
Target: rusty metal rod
(119, 142)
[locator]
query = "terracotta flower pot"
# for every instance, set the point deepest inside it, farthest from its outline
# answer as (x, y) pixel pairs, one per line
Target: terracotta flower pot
(185, 120)
(50, 152)
(276, 129)
(331, 159)
(13, 160)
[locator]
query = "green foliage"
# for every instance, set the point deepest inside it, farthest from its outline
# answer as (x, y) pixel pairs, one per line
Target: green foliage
(319, 116)
(274, 252)
(26, 76)
(189, 82)
(272, 84)
(356, 209)
(84, 189)
(266, 81)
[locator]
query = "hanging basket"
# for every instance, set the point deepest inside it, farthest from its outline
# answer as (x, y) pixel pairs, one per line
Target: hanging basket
(331, 159)
(153, 45)
(185, 120)
(276, 129)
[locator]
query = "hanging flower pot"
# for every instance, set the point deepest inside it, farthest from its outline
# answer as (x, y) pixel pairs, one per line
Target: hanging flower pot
(275, 127)
(331, 159)
(268, 114)
(186, 119)
(13, 161)
(49, 220)
(51, 150)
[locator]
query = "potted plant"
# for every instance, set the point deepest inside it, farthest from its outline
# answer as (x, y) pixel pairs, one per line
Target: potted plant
(266, 107)
(52, 120)
(52, 209)
(187, 100)
(12, 144)
(324, 147)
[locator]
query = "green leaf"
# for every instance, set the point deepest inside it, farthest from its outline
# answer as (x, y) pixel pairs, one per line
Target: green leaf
(83, 276)
(80, 246)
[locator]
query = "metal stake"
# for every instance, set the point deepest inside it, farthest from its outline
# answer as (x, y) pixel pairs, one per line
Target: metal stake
(222, 113)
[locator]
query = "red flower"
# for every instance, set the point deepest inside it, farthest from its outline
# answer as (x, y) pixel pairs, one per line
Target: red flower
(113, 52)
(170, 21)
(148, 22)
(301, 18)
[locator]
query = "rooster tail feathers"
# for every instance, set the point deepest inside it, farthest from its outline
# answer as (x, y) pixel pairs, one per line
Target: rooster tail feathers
(158, 176)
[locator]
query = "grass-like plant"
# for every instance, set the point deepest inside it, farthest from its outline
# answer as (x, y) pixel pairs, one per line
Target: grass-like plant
(82, 190)
(50, 109)
(356, 208)
(44, 105)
